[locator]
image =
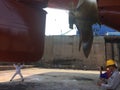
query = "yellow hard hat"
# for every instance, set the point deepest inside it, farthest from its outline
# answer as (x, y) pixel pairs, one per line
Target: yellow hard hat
(110, 62)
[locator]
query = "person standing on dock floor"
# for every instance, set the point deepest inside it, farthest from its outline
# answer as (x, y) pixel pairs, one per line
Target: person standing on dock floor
(18, 67)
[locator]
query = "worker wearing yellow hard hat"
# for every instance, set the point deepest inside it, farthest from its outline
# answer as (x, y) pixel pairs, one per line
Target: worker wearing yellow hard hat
(110, 62)
(113, 82)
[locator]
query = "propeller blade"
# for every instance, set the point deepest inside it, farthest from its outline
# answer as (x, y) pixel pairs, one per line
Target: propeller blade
(84, 16)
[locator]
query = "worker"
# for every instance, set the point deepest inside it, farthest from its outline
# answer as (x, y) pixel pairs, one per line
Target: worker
(113, 82)
(104, 76)
(18, 67)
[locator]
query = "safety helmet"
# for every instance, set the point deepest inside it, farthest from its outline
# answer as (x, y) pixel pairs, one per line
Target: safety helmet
(110, 62)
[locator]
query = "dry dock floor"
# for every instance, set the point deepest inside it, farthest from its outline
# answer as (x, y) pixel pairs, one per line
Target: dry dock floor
(50, 79)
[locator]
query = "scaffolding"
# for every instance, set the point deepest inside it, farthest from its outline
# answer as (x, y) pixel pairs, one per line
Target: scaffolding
(112, 48)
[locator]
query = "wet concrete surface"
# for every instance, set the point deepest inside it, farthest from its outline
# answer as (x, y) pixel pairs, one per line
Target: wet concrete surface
(50, 79)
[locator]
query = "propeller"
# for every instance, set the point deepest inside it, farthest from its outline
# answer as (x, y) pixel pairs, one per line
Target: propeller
(84, 15)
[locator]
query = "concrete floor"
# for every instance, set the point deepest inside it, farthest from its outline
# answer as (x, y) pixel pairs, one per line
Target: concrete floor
(50, 79)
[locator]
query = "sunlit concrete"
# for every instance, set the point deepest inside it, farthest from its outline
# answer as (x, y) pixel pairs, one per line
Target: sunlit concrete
(50, 79)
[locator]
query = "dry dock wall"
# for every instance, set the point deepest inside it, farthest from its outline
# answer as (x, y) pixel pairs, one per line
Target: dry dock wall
(63, 52)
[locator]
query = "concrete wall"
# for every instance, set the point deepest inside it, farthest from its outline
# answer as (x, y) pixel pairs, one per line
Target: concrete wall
(63, 52)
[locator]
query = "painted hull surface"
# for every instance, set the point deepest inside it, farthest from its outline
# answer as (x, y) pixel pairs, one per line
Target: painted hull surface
(62, 4)
(22, 32)
(109, 13)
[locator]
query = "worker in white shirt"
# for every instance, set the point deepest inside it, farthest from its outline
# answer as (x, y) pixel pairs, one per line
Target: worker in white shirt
(18, 71)
(113, 82)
